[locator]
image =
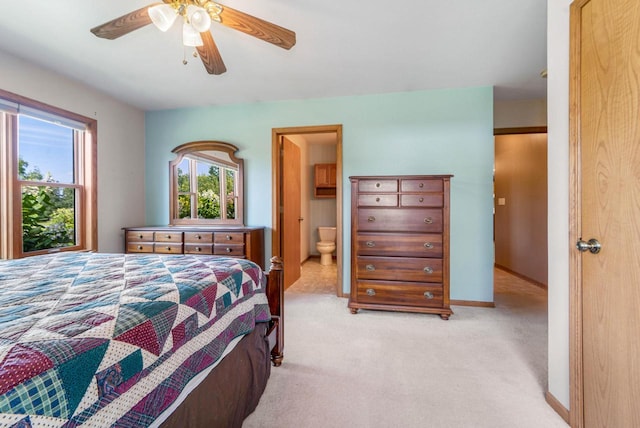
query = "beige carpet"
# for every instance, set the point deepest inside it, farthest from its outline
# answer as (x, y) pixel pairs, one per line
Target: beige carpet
(482, 368)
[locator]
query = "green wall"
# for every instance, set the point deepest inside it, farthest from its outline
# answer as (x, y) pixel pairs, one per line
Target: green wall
(427, 132)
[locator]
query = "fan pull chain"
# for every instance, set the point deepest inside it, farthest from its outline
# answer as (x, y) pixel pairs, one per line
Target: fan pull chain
(184, 55)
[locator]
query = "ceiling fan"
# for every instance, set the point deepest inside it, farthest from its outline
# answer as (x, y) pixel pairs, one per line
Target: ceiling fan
(197, 16)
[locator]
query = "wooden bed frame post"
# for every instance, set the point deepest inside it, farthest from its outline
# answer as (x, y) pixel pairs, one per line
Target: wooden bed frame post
(275, 295)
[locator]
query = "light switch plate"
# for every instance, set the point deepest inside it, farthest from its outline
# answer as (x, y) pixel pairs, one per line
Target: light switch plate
(502, 201)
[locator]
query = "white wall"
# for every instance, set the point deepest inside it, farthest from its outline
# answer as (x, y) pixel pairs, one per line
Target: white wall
(558, 196)
(519, 113)
(121, 191)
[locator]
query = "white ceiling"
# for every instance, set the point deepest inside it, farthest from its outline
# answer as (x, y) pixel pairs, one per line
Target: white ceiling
(344, 47)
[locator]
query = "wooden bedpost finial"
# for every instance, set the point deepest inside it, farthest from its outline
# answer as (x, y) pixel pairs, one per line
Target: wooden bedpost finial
(276, 263)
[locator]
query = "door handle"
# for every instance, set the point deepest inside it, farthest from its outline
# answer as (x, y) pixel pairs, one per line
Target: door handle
(300, 218)
(593, 246)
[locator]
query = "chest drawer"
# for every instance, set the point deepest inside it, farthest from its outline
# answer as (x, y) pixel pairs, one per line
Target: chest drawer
(421, 200)
(228, 250)
(228, 238)
(168, 236)
(421, 185)
(407, 245)
(198, 248)
(139, 236)
(198, 237)
(380, 200)
(378, 185)
(423, 220)
(167, 248)
(399, 269)
(140, 247)
(412, 294)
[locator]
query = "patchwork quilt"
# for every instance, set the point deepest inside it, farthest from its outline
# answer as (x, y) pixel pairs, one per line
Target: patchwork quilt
(102, 340)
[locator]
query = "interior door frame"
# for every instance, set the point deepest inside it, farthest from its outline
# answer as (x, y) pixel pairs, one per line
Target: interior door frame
(576, 368)
(276, 168)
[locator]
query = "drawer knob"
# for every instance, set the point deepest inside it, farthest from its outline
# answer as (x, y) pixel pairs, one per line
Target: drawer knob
(371, 244)
(198, 249)
(229, 238)
(371, 219)
(198, 237)
(421, 186)
(428, 295)
(371, 292)
(370, 268)
(428, 220)
(139, 247)
(428, 270)
(428, 245)
(377, 199)
(168, 236)
(421, 199)
(377, 184)
(229, 250)
(168, 248)
(141, 236)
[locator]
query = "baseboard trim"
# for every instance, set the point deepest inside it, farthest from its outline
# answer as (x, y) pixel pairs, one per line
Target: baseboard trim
(472, 303)
(523, 277)
(557, 406)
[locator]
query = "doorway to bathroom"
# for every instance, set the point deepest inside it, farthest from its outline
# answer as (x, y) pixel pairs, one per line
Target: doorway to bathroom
(296, 218)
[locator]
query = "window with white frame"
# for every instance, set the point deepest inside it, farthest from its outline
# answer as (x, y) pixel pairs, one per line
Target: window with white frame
(47, 179)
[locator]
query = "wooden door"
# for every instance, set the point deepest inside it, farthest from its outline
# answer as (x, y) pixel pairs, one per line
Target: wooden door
(605, 125)
(291, 211)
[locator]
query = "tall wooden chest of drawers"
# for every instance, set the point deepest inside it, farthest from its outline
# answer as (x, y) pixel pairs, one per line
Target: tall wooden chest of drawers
(400, 244)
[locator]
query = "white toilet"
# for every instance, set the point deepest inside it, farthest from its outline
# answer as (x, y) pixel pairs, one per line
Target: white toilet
(327, 244)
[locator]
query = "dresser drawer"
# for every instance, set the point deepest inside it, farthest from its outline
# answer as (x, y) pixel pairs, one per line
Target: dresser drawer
(198, 248)
(140, 247)
(168, 236)
(228, 238)
(139, 236)
(378, 200)
(198, 237)
(399, 269)
(378, 186)
(400, 220)
(422, 200)
(413, 185)
(407, 245)
(406, 294)
(228, 250)
(167, 248)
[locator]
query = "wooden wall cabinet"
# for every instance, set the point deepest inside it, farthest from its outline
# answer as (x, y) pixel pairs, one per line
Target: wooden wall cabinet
(324, 185)
(240, 242)
(400, 244)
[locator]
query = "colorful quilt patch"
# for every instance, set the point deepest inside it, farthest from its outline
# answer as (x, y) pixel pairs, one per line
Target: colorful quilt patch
(161, 319)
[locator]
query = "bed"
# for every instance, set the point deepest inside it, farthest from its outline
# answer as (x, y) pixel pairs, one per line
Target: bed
(97, 340)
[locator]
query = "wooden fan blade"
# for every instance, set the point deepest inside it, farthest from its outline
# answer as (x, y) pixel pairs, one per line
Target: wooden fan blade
(210, 55)
(257, 27)
(124, 24)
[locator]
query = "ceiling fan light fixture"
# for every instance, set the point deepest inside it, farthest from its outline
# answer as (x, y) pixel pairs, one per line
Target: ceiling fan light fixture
(199, 18)
(163, 16)
(191, 36)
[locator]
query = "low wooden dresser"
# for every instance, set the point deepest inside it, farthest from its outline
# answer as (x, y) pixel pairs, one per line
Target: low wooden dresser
(400, 243)
(241, 242)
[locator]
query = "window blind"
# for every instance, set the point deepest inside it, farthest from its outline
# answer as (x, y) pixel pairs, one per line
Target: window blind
(9, 106)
